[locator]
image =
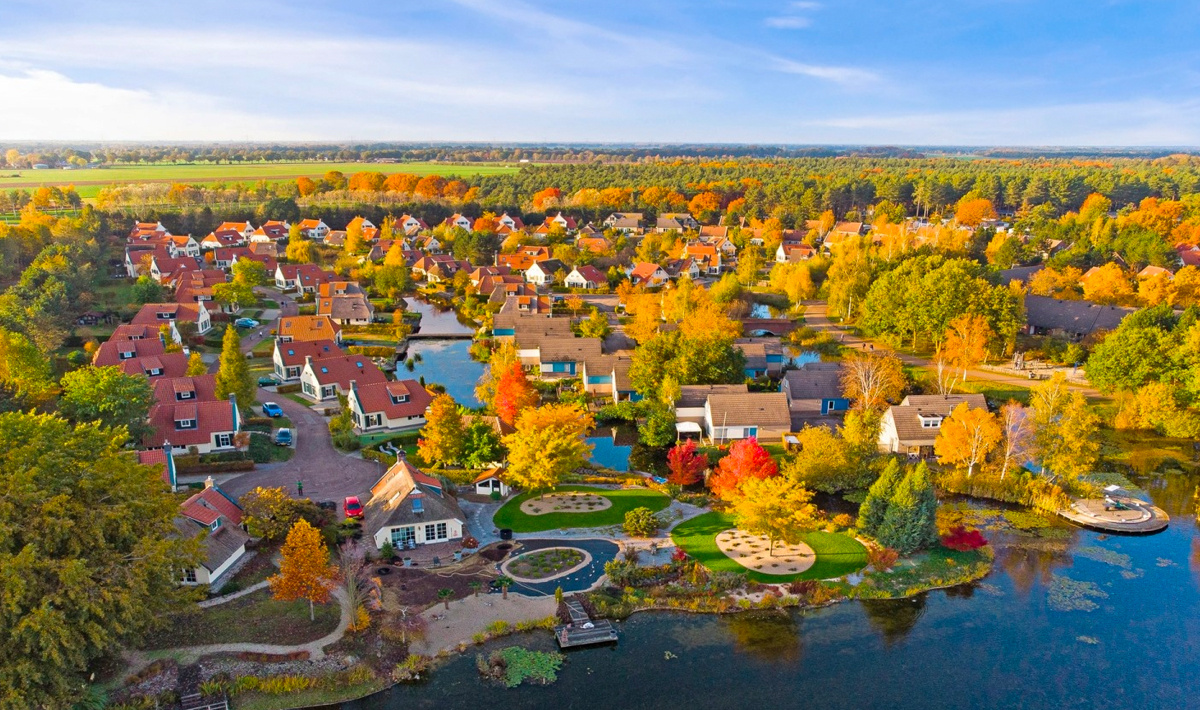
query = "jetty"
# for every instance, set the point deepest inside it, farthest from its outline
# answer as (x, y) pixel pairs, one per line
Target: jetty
(583, 631)
(1117, 512)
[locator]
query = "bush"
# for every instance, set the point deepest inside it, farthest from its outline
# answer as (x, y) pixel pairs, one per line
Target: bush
(372, 350)
(881, 558)
(288, 388)
(625, 411)
(641, 522)
(964, 540)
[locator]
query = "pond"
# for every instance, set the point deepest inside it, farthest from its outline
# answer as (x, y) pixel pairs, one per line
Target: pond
(447, 363)
(436, 320)
(766, 311)
(611, 446)
(1067, 619)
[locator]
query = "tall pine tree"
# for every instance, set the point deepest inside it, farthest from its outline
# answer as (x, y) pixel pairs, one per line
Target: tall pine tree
(875, 507)
(911, 520)
(233, 375)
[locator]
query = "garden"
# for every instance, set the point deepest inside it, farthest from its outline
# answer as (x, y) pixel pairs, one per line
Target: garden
(544, 564)
(512, 514)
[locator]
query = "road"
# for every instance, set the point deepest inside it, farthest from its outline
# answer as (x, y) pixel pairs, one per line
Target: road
(817, 318)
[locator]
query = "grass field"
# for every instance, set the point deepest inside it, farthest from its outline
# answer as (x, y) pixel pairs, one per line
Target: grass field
(623, 501)
(89, 181)
(255, 618)
(837, 554)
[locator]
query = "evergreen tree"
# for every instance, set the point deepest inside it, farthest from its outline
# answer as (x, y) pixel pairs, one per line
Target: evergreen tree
(233, 374)
(911, 519)
(874, 508)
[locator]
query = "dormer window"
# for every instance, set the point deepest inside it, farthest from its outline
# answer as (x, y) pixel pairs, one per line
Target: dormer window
(165, 316)
(418, 505)
(182, 424)
(154, 372)
(399, 398)
(127, 354)
(930, 421)
(215, 524)
(185, 394)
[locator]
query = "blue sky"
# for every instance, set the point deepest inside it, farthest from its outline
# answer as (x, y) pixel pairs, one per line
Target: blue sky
(913, 72)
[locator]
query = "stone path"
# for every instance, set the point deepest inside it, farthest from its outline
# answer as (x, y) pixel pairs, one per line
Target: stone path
(582, 579)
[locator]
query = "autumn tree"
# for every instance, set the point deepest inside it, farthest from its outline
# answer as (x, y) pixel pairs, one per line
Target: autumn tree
(775, 508)
(966, 341)
(705, 206)
(196, 365)
(233, 372)
(1064, 439)
(109, 396)
(300, 251)
(686, 464)
(444, 432)
(575, 304)
(1057, 283)
(305, 186)
(873, 379)
(304, 568)
(269, 513)
(26, 377)
(967, 436)
(549, 442)
(1014, 423)
(1108, 285)
(827, 462)
(972, 211)
(746, 459)
(355, 242)
(595, 325)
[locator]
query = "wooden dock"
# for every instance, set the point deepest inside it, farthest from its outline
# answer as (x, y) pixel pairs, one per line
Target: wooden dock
(1137, 517)
(582, 631)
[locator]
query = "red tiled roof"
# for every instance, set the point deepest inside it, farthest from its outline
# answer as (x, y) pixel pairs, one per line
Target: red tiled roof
(211, 418)
(308, 327)
(341, 369)
(202, 387)
(292, 354)
(212, 500)
(184, 312)
(171, 365)
(377, 397)
(645, 269)
(591, 273)
(109, 352)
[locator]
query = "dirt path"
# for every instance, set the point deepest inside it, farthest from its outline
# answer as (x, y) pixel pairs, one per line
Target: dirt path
(467, 617)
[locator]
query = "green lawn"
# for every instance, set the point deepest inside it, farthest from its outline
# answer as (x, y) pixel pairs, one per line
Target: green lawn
(254, 618)
(623, 501)
(837, 554)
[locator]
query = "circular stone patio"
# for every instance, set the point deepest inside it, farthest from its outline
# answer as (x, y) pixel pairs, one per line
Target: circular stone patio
(752, 552)
(565, 502)
(587, 560)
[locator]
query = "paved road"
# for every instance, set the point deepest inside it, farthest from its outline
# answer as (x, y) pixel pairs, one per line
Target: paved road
(287, 307)
(816, 317)
(602, 551)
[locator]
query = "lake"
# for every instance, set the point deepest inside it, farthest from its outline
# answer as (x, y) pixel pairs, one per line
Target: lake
(1002, 643)
(611, 446)
(437, 321)
(448, 363)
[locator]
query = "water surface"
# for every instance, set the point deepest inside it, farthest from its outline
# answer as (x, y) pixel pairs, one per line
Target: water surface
(447, 363)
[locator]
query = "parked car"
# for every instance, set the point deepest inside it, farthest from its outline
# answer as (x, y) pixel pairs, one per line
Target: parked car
(352, 507)
(268, 381)
(272, 410)
(246, 323)
(283, 437)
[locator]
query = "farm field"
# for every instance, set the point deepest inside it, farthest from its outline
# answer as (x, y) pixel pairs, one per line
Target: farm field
(89, 180)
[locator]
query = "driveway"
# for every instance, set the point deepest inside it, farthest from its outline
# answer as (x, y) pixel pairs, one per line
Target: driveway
(287, 307)
(327, 474)
(602, 551)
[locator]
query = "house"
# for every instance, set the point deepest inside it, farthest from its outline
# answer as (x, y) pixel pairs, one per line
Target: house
(586, 277)
(710, 234)
(594, 245)
(350, 309)
(648, 274)
(116, 351)
(557, 357)
(848, 229)
(360, 223)
(178, 390)
(679, 268)
(289, 357)
(313, 229)
(142, 229)
(1189, 254)
(217, 240)
(1153, 271)
(499, 287)
(335, 238)
(690, 407)
(626, 222)
(179, 245)
(215, 517)
(223, 257)
(270, 264)
(1070, 319)
(608, 376)
(912, 426)
(325, 379)
(541, 273)
(128, 331)
(265, 249)
(707, 257)
(764, 356)
(743, 415)
(411, 225)
(308, 328)
(512, 223)
(523, 259)
(172, 314)
(166, 270)
(675, 222)
(305, 278)
(815, 388)
(437, 267)
(563, 222)
(408, 508)
(388, 406)
(164, 460)
(490, 482)
(794, 252)
(165, 365)
(244, 228)
(482, 271)
(137, 258)
(457, 220)
(206, 426)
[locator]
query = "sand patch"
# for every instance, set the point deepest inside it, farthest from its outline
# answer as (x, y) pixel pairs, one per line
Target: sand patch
(751, 552)
(565, 502)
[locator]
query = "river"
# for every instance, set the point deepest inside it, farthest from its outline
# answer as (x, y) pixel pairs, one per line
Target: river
(447, 363)
(1005, 642)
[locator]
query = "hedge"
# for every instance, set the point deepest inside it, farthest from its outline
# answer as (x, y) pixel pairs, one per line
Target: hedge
(372, 350)
(215, 467)
(288, 388)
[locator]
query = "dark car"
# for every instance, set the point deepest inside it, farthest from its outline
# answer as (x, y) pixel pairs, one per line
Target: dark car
(283, 437)
(268, 381)
(352, 507)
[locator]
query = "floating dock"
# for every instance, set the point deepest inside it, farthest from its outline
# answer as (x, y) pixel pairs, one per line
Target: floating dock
(582, 631)
(1117, 514)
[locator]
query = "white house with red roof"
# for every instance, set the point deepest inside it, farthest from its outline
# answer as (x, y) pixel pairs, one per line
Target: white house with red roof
(411, 225)
(215, 517)
(167, 270)
(325, 379)
(647, 273)
(116, 350)
(206, 426)
(313, 228)
(460, 221)
(289, 357)
(152, 366)
(513, 223)
(244, 228)
(586, 276)
(225, 238)
(156, 314)
(388, 406)
(305, 278)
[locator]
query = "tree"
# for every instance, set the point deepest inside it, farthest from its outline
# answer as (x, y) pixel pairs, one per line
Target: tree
(24, 371)
(233, 373)
(549, 442)
(233, 294)
(879, 496)
(270, 513)
(971, 212)
(304, 568)
(196, 365)
(575, 304)
(355, 242)
(872, 380)
(685, 464)
(1064, 429)
(89, 559)
(1014, 421)
(827, 462)
(1108, 285)
(775, 508)
(443, 435)
(966, 341)
(147, 290)
(249, 273)
(910, 523)
(967, 436)
(658, 430)
(482, 445)
(640, 522)
(300, 251)
(746, 459)
(595, 325)
(108, 396)
(514, 393)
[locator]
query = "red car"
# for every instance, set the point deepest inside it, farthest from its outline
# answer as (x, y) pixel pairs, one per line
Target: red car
(352, 507)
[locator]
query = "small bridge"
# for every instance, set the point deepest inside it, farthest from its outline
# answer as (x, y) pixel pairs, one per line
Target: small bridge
(767, 326)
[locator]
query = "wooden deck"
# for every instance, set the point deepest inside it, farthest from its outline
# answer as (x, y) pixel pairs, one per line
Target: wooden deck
(1141, 518)
(582, 631)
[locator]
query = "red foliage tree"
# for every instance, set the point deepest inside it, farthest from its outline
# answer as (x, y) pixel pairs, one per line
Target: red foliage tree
(513, 393)
(963, 540)
(687, 466)
(746, 459)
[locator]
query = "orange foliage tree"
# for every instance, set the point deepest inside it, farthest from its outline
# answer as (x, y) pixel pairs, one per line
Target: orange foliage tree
(1108, 285)
(304, 568)
(430, 186)
(971, 212)
(306, 186)
(705, 206)
(549, 197)
(401, 182)
(1057, 283)
(746, 459)
(967, 340)
(514, 393)
(967, 437)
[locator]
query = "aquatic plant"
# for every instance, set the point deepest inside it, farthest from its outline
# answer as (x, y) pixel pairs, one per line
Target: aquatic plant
(1066, 594)
(515, 665)
(1108, 557)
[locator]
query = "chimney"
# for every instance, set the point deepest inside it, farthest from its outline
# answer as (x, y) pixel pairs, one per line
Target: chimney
(208, 482)
(308, 360)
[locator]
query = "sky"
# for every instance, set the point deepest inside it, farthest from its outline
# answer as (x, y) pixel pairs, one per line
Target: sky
(892, 72)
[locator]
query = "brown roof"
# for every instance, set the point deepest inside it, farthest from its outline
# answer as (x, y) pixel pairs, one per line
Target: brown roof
(349, 307)
(815, 383)
(203, 507)
(308, 328)
(569, 349)
(763, 409)
(696, 395)
(907, 415)
(391, 499)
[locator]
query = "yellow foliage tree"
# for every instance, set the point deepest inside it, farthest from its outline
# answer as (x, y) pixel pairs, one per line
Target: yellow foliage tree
(1187, 287)
(548, 444)
(443, 435)
(971, 212)
(967, 437)
(300, 251)
(1057, 283)
(775, 508)
(196, 365)
(1155, 289)
(873, 379)
(304, 568)
(966, 341)
(1108, 285)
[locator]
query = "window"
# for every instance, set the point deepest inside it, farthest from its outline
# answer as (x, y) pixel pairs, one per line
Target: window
(188, 394)
(215, 524)
(404, 537)
(930, 422)
(436, 531)
(127, 355)
(181, 424)
(153, 372)
(224, 440)
(189, 576)
(399, 398)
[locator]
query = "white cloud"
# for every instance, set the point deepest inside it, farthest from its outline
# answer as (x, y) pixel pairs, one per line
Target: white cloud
(849, 76)
(788, 22)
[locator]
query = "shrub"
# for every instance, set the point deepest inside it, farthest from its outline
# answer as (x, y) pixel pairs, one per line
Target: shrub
(641, 522)
(964, 540)
(882, 558)
(410, 668)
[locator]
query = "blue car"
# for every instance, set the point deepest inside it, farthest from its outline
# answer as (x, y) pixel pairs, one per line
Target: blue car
(272, 410)
(246, 323)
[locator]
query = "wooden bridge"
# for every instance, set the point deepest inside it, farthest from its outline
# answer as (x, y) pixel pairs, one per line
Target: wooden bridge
(582, 631)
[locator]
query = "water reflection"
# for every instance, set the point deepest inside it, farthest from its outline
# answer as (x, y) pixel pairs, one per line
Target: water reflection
(612, 446)
(437, 321)
(894, 619)
(768, 636)
(447, 363)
